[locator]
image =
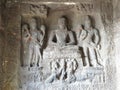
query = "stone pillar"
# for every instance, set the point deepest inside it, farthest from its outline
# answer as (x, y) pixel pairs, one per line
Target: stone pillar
(1, 49)
(11, 54)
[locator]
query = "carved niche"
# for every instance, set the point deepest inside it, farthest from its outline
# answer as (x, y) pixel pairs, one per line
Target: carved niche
(67, 57)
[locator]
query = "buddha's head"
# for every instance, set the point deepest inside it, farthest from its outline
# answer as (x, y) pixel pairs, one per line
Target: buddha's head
(62, 22)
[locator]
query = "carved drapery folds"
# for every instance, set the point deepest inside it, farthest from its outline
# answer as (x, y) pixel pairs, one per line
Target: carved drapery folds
(69, 55)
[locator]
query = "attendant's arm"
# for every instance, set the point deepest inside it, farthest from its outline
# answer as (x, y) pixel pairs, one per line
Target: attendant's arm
(52, 35)
(72, 39)
(83, 35)
(40, 35)
(97, 38)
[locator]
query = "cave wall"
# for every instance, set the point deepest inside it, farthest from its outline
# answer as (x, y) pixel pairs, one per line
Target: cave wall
(105, 13)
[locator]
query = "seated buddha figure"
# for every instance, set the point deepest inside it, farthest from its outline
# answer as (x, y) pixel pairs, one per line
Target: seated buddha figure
(62, 36)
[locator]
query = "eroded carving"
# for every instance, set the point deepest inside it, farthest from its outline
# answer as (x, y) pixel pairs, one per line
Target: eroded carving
(40, 10)
(62, 70)
(25, 39)
(30, 77)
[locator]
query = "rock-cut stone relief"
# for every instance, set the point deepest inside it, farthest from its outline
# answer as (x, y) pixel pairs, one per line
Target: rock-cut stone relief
(62, 70)
(39, 10)
(65, 56)
(88, 38)
(32, 43)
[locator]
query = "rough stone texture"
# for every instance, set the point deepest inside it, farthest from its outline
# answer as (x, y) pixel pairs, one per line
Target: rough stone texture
(117, 39)
(11, 43)
(106, 15)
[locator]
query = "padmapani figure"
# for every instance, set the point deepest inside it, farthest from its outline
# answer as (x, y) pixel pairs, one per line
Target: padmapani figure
(89, 37)
(61, 36)
(35, 39)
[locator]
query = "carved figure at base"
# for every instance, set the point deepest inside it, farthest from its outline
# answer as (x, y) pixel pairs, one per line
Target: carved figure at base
(71, 67)
(62, 69)
(54, 72)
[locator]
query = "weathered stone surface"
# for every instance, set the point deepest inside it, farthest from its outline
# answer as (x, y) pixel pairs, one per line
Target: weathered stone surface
(61, 65)
(11, 50)
(58, 62)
